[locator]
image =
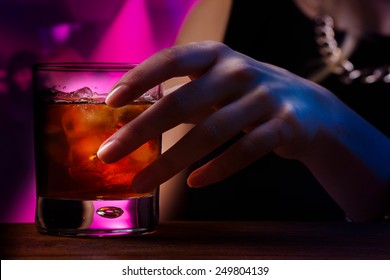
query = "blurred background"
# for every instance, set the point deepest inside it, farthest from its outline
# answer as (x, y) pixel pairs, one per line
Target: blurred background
(64, 30)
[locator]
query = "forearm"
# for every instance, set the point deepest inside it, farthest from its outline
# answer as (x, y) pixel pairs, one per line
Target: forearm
(352, 162)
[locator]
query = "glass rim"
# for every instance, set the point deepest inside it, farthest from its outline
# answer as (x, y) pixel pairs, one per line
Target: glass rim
(84, 66)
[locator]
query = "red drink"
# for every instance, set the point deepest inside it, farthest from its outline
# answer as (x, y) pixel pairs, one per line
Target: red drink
(70, 135)
(77, 194)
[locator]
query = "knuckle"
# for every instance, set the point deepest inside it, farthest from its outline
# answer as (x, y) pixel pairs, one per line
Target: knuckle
(282, 130)
(265, 95)
(292, 116)
(217, 47)
(241, 71)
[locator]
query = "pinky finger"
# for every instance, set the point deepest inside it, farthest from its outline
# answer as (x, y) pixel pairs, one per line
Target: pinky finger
(251, 147)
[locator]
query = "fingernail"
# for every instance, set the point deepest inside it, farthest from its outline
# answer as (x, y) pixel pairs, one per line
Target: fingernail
(197, 179)
(110, 99)
(107, 151)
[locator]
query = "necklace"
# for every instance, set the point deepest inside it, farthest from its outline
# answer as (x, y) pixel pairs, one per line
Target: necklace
(336, 60)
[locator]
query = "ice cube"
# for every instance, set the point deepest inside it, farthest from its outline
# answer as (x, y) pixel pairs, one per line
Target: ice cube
(151, 95)
(87, 119)
(84, 93)
(83, 152)
(80, 95)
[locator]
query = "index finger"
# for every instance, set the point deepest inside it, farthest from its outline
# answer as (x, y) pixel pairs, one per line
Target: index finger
(186, 60)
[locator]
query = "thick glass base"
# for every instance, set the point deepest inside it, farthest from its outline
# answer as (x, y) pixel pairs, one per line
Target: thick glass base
(68, 217)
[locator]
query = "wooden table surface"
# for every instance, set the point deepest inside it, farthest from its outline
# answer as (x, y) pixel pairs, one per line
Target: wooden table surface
(209, 240)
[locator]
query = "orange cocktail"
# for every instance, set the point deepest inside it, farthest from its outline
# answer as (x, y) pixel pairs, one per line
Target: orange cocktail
(70, 135)
(77, 194)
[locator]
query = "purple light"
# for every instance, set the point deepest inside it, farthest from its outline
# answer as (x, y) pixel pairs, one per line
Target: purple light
(61, 32)
(24, 210)
(123, 222)
(140, 29)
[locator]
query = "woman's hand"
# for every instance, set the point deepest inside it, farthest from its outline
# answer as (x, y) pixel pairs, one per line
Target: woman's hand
(228, 93)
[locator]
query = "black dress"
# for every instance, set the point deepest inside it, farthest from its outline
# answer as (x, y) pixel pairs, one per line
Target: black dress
(274, 188)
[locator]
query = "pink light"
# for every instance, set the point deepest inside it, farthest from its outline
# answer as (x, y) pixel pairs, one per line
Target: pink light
(140, 29)
(121, 222)
(24, 210)
(61, 32)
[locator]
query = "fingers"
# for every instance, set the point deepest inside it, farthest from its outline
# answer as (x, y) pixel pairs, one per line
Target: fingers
(219, 85)
(191, 59)
(178, 107)
(212, 132)
(222, 80)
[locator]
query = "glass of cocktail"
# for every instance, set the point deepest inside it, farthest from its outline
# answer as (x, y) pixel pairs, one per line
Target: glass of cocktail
(77, 194)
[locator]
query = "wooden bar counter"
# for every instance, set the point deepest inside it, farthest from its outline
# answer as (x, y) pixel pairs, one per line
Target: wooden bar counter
(183, 240)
